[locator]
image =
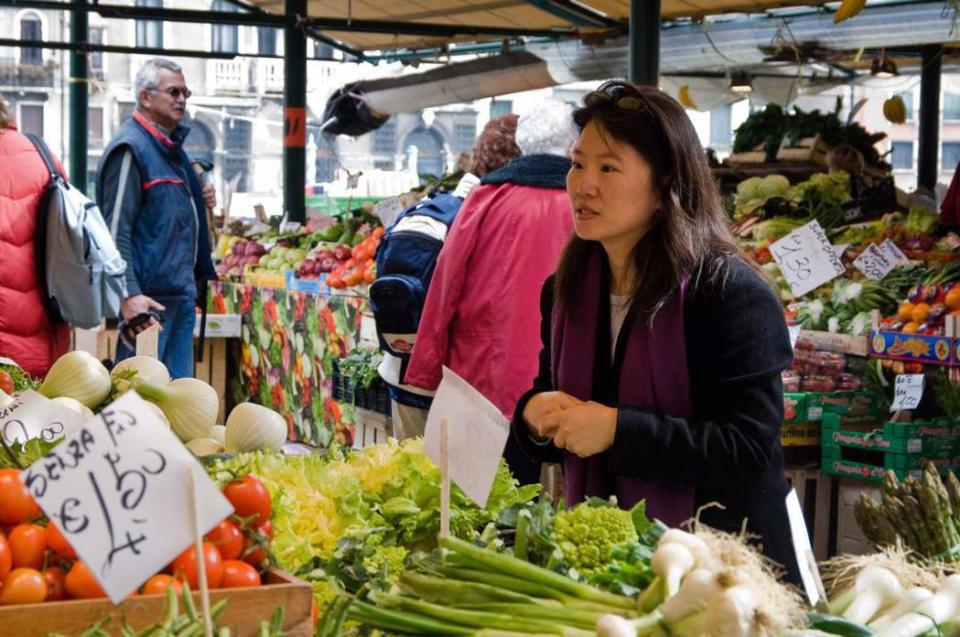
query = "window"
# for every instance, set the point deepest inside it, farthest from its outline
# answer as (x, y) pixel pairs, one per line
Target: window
(237, 144)
(322, 50)
(951, 106)
(907, 97)
(326, 167)
(95, 126)
(951, 156)
(385, 138)
(383, 164)
(902, 155)
(31, 29)
(31, 119)
(96, 57)
(226, 36)
(150, 32)
(464, 135)
(721, 127)
(500, 107)
(267, 40)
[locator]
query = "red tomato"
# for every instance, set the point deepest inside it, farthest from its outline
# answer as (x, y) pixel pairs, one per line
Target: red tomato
(369, 275)
(249, 497)
(6, 557)
(336, 281)
(28, 543)
(16, 504)
(353, 277)
(56, 583)
(23, 586)
(158, 585)
(57, 543)
(228, 538)
(185, 566)
(81, 584)
(377, 232)
(6, 383)
(254, 552)
(238, 574)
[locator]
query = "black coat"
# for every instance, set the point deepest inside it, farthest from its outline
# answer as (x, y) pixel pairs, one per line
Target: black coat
(729, 447)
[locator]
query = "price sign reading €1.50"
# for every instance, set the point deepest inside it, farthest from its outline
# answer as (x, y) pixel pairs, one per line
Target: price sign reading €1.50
(806, 258)
(118, 488)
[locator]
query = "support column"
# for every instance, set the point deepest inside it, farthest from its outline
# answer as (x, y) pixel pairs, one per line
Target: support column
(79, 84)
(295, 111)
(929, 146)
(644, 63)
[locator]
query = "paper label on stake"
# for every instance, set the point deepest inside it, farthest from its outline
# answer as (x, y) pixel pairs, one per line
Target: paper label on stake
(893, 253)
(148, 341)
(806, 258)
(35, 416)
(118, 489)
(907, 392)
(794, 334)
(476, 435)
(874, 263)
(809, 574)
(840, 249)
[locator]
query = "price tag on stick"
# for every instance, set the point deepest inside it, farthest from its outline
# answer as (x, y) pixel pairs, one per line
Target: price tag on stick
(35, 416)
(809, 574)
(874, 263)
(119, 490)
(148, 341)
(893, 253)
(907, 392)
(806, 258)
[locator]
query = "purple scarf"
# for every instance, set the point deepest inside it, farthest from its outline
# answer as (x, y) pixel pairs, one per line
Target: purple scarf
(654, 375)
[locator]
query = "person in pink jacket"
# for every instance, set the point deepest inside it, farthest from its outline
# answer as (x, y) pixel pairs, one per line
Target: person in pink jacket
(481, 317)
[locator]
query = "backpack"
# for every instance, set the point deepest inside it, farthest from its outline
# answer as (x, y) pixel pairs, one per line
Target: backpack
(78, 260)
(406, 259)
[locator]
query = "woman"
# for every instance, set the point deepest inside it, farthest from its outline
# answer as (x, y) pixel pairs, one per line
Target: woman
(662, 347)
(28, 335)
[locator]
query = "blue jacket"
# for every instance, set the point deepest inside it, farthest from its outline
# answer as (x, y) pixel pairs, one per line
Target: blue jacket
(162, 228)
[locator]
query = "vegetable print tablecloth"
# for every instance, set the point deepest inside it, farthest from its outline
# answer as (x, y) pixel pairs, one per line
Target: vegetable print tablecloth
(284, 358)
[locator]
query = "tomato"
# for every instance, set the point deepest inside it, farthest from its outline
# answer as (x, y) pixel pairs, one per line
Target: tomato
(254, 552)
(369, 275)
(228, 538)
(158, 585)
(81, 584)
(28, 543)
(6, 557)
(336, 281)
(377, 232)
(16, 504)
(353, 277)
(57, 543)
(56, 583)
(185, 566)
(23, 586)
(249, 497)
(6, 382)
(238, 574)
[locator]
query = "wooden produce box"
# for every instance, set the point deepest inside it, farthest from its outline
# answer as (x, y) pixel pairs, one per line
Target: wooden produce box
(756, 156)
(244, 612)
(808, 149)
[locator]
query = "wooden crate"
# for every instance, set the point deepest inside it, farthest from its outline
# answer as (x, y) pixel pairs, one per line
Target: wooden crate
(244, 612)
(756, 156)
(808, 149)
(371, 428)
(813, 492)
(850, 539)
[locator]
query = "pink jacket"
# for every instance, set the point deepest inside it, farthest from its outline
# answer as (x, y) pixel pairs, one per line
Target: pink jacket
(482, 313)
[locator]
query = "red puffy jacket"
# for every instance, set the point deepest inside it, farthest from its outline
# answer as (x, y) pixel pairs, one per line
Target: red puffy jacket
(27, 334)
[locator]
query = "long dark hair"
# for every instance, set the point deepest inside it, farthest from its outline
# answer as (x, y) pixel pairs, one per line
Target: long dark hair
(690, 234)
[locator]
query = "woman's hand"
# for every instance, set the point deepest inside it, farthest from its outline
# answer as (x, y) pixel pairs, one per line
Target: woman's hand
(544, 404)
(584, 430)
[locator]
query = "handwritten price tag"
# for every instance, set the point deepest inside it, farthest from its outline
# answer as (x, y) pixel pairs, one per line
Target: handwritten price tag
(907, 392)
(35, 416)
(874, 263)
(118, 489)
(893, 253)
(806, 258)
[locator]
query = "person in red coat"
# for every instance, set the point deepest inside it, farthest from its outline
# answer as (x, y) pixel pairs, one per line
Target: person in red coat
(28, 335)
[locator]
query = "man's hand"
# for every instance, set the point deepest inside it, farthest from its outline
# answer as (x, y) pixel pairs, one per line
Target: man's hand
(585, 430)
(209, 196)
(544, 404)
(134, 306)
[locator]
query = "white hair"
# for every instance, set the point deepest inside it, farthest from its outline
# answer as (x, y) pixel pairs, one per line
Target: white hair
(547, 129)
(148, 77)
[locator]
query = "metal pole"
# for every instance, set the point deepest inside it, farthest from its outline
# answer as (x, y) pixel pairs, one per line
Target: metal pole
(929, 117)
(295, 112)
(644, 65)
(78, 98)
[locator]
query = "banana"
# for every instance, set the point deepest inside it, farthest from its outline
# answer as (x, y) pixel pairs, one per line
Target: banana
(848, 9)
(684, 97)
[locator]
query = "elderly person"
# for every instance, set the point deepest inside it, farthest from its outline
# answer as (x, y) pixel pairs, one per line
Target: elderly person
(154, 204)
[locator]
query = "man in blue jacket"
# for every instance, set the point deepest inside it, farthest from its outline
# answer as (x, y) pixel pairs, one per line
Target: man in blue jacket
(154, 204)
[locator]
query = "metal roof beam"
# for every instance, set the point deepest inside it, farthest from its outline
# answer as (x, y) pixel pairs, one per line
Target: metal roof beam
(110, 48)
(574, 14)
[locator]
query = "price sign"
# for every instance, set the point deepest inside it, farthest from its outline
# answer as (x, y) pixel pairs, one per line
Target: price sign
(35, 416)
(806, 258)
(118, 489)
(794, 334)
(907, 392)
(893, 253)
(874, 263)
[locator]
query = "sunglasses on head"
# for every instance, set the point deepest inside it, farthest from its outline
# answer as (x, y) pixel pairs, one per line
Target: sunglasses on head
(175, 92)
(617, 94)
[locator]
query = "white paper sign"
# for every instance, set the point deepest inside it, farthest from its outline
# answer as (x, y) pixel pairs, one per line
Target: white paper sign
(794, 334)
(809, 574)
(874, 263)
(840, 249)
(806, 258)
(148, 341)
(477, 433)
(894, 253)
(35, 416)
(907, 392)
(117, 488)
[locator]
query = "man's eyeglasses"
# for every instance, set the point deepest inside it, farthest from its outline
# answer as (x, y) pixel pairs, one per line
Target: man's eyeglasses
(175, 92)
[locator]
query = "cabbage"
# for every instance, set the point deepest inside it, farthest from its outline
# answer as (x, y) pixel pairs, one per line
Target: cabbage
(748, 189)
(773, 186)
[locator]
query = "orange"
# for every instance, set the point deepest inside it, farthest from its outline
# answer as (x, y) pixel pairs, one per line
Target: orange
(905, 311)
(953, 298)
(910, 328)
(920, 312)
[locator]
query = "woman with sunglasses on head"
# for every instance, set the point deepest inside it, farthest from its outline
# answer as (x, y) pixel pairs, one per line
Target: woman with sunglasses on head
(662, 349)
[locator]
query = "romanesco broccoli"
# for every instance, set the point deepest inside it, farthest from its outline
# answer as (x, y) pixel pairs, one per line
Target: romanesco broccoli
(586, 534)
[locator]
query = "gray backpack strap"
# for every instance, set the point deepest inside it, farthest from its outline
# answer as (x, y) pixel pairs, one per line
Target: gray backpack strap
(121, 190)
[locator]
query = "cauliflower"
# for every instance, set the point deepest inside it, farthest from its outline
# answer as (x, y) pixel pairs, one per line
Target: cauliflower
(586, 534)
